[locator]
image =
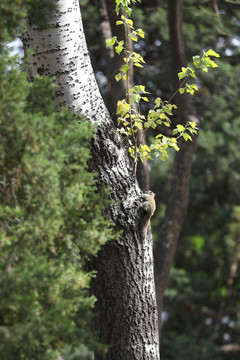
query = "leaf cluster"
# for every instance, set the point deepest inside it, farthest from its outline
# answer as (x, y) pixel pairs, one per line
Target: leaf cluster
(128, 109)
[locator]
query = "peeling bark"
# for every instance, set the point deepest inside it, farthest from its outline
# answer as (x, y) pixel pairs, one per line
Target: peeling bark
(126, 308)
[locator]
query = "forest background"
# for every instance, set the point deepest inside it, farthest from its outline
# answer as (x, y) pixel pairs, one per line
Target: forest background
(201, 306)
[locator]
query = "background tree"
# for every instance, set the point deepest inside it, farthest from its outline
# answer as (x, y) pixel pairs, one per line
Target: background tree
(177, 204)
(214, 183)
(51, 218)
(50, 221)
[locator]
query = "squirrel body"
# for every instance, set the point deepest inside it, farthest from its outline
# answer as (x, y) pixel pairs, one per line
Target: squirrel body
(149, 206)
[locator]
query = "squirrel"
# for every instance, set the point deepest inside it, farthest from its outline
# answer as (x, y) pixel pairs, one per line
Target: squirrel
(149, 206)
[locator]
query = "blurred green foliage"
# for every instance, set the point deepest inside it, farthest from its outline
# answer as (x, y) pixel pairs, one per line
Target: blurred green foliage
(51, 219)
(180, 346)
(209, 238)
(14, 13)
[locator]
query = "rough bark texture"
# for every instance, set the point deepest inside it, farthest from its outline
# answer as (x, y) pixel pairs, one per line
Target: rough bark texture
(124, 287)
(124, 284)
(166, 244)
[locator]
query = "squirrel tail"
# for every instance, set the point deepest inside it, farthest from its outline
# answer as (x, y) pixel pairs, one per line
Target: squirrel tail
(144, 228)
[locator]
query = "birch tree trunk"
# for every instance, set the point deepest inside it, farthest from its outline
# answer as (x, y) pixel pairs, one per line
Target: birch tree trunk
(124, 287)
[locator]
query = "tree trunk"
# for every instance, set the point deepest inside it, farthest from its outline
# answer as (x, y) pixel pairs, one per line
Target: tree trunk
(126, 306)
(166, 243)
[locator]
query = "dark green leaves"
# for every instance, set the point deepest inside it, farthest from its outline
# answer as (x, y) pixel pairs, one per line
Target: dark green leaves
(50, 220)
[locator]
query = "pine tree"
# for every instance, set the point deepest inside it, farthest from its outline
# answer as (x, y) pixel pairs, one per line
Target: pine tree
(51, 218)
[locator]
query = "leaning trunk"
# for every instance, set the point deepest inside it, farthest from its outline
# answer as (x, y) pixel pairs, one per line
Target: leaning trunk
(126, 307)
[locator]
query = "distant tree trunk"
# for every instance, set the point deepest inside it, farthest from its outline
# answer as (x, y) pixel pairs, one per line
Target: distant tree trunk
(233, 270)
(126, 308)
(115, 90)
(166, 243)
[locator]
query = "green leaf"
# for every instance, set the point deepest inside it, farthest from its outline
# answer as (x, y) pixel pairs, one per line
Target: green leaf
(119, 49)
(192, 124)
(163, 116)
(196, 61)
(133, 37)
(138, 124)
(186, 137)
(192, 74)
(111, 42)
(182, 74)
(180, 128)
(166, 123)
(117, 6)
(131, 151)
(118, 77)
(137, 64)
(157, 102)
(129, 22)
(125, 68)
(145, 147)
(194, 86)
(181, 90)
(174, 145)
(211, 52)
(141, 33)
(127, 106)
(137, 97)
(210, 63)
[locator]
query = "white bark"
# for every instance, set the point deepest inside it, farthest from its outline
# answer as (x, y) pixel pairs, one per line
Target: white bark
(61, 50)
(125, 283)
